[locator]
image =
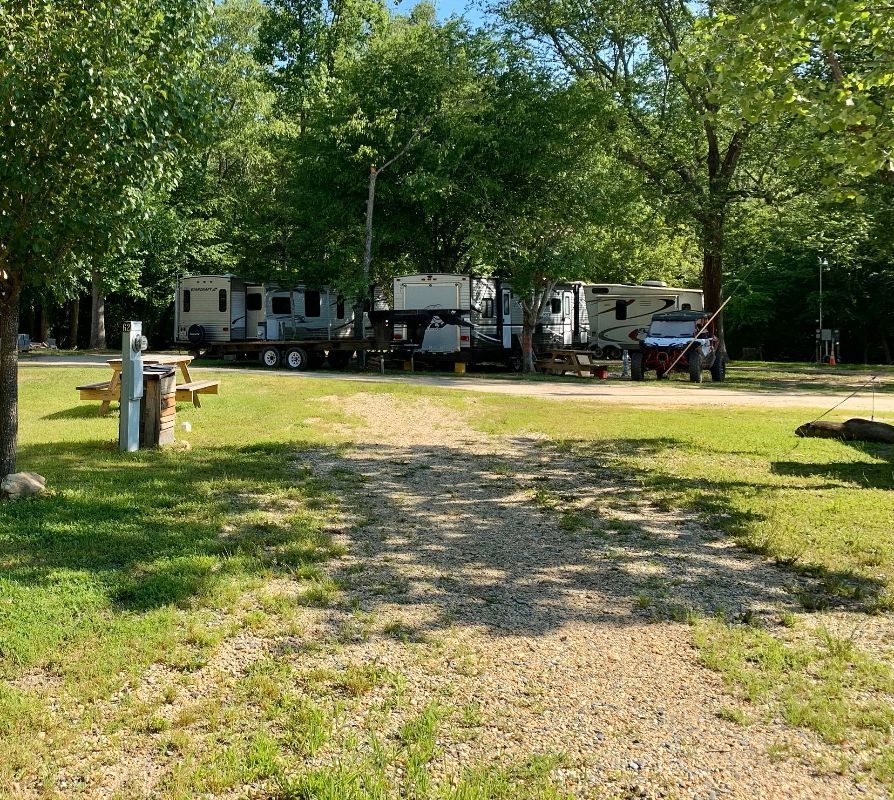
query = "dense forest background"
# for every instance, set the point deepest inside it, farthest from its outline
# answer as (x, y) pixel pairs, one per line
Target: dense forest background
(538, 144)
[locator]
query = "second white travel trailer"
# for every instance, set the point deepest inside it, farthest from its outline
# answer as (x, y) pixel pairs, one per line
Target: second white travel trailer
(225, 315)
(619, 313)
(479, 320)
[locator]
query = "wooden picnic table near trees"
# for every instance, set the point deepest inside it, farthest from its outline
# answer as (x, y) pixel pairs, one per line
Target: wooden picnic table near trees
(580, 362)
(109, 391)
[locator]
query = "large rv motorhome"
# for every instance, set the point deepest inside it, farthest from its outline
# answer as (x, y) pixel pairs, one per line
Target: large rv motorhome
(224, 314)
(479, 319)
(619, 313)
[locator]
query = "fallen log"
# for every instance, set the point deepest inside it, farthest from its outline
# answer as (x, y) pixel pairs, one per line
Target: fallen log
(854, 430)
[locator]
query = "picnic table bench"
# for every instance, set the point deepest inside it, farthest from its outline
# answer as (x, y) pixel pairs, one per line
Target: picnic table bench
(110, 391)
(580, 362)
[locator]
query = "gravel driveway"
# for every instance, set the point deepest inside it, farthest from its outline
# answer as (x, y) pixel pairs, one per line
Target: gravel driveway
(528, 568)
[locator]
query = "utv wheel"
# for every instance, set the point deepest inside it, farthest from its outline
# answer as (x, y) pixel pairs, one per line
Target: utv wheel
(695, 368)
(339, 359)
(718, 369)
(296, 359)
(270, 357)
(636, 366)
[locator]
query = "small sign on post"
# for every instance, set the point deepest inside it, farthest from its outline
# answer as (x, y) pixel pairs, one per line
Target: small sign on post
(133, 343)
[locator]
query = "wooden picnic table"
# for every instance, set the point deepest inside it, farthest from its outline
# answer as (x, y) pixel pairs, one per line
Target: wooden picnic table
(108, 391)
(580, 362)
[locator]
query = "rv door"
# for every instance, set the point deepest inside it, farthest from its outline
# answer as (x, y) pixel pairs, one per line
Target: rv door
(567, 319)
(506, 318)
(255, 327)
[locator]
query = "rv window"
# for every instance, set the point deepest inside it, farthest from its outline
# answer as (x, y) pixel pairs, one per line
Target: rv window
(254, 301)
(187, 296)
(620, 309)
(556, 305)
(507, 307)
(567, 310)
(600, 290)
(281, 304)
(488, 308)
(222, 300)
(340, 307)
(311, 304)
(686, 307)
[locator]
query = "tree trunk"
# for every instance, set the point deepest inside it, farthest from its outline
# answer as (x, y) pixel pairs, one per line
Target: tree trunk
(529, 323)
(532, 310)
(43, 325)
(9, 380)
(367, 253)
(712, 268)
(74, 313)
(98, 313)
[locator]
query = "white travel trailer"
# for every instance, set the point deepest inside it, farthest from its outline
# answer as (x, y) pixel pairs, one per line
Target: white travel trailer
(224, 315)
(619, 313)
(224, 308)
(476, 319)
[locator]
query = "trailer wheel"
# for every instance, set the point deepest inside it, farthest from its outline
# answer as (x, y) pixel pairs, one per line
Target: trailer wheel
(270, 357)
(636, 366)
(611, 352)
(695, 368)
(296, 358)
(718, 369)
(339, 359)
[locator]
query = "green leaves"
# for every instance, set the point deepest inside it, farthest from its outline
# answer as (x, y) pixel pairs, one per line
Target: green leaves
(96, 98)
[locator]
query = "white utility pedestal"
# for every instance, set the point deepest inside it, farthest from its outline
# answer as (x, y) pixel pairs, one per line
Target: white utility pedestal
(133, 343)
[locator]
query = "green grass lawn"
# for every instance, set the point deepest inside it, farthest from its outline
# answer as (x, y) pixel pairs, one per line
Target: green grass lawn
(157, 557)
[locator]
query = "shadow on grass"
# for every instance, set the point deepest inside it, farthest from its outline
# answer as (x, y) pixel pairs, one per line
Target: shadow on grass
(90, 411)
(156, 528)
(499, 540)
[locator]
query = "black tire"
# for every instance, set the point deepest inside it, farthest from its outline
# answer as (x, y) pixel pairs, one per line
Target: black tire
(718, 369)
(271, 357)
(195, 334)
(296, 359)
(611, 353)
(695, 367)
(316, 359)
(636, 366)
(339, 359)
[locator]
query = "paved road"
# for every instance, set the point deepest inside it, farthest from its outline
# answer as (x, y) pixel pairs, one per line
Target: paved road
(649, 394)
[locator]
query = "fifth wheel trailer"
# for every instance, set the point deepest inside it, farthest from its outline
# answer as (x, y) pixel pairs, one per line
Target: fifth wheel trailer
(618, 314)
(464, 317)
(223, 315)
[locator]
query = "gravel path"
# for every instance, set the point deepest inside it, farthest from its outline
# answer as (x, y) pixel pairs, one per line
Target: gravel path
(537, 574)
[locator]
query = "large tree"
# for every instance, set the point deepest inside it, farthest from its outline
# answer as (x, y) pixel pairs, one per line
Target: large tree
(697, 147)
(96, 99)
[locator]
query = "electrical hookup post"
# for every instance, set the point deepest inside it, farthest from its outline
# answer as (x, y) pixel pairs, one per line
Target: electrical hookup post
(828, 346)
(133, 343)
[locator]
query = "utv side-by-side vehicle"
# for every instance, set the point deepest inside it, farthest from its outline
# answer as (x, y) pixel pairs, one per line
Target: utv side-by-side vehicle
(692, 333)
